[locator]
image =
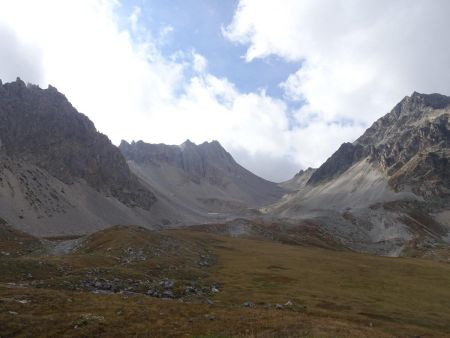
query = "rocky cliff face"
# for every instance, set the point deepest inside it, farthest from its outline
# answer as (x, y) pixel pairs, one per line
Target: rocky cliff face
(389, 191)
(42, 128)
(339, 162)
(205, 160)
(411, 145)
(299, 180)
(204, 172)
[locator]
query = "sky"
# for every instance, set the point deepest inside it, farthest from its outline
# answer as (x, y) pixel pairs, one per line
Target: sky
(281, 84)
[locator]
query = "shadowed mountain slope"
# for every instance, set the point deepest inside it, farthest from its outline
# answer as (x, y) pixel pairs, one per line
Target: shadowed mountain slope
(58, 170)
(202, 177)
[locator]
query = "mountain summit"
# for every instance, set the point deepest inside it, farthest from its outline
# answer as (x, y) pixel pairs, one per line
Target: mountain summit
(198, 162)
(201, 177)
(389, 188)
(59, 175)
(411, 145)
(57, 168)
(42, 127)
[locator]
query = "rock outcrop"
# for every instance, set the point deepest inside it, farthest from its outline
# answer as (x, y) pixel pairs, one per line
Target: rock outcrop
(58, 174)
(41, 127)
(411, 145)
(299, 180)
(204, 176)
(388, 190)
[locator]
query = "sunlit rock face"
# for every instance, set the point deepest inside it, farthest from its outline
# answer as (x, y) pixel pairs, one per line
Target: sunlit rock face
(411, 144)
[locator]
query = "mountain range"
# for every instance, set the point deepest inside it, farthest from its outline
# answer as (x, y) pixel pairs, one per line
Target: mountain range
(180, 240)
(201, 177)
(59, 174)
(387, 190)
(384, 193)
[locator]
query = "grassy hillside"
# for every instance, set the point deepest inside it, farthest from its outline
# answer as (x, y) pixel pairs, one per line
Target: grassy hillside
(128, 281)
(16, 243)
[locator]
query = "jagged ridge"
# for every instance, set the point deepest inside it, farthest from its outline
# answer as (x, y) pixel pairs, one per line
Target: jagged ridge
(410, 144)
(41, 127)
(206, 163)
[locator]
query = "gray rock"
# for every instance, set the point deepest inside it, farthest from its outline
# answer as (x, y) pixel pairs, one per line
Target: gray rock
(168, 294)
(167, 284)
(206, 164)
(153, 293)
(42, 127)
(396, 139)
(248, 304)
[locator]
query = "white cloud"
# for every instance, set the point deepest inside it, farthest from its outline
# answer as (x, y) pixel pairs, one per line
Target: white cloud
(199, 62)
(18, 58)
(319, 140)
(359, 58)
(111, 69)
(134, 18)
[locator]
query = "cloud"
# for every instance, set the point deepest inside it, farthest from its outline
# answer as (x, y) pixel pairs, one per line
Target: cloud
(19, 59)
(112, 69)
(199, 62)
(359, 58)
(264, 164)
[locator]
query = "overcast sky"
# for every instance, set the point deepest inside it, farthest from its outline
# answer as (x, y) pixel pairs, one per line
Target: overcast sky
(281, 84)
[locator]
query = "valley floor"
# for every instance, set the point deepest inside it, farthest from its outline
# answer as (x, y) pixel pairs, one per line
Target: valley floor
(128, 281)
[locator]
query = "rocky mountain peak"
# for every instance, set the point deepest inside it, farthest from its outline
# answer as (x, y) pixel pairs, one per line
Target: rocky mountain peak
(41, 127)
(435, 101)
(299, 180)
(304, 172)
(196, 160)
(214, 144)
(187, 143)
(210, 146)
(411, 144)
(202, 177)
(19, 83)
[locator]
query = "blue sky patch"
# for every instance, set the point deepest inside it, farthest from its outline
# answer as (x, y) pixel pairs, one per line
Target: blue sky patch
(197, 26)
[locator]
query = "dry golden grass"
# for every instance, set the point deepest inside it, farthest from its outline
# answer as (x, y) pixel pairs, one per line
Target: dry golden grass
(334, 293)
(15, 243)
(50, 313)
(343, 285)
